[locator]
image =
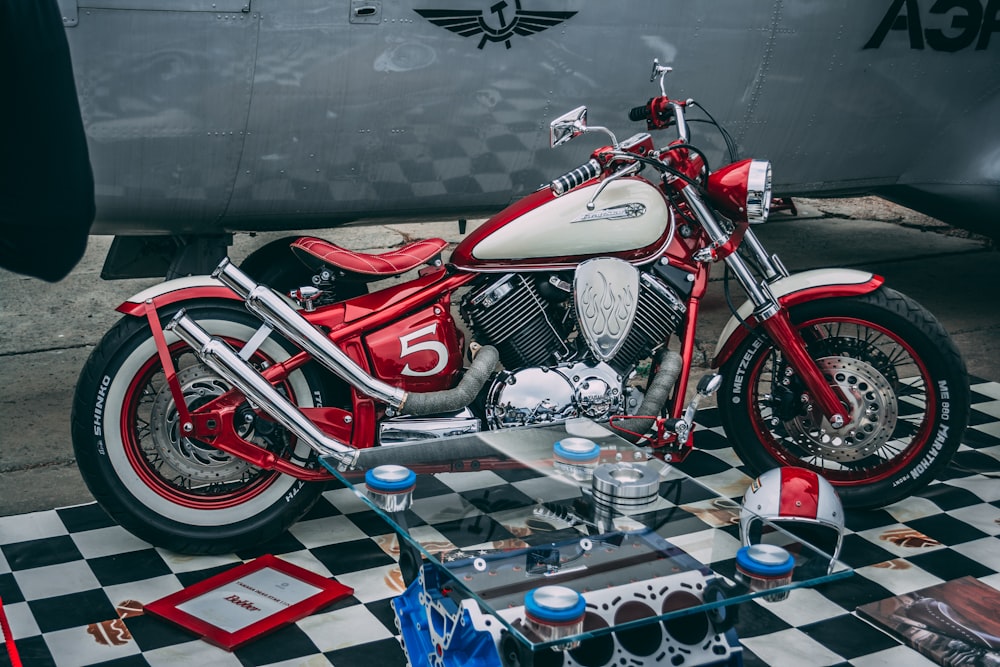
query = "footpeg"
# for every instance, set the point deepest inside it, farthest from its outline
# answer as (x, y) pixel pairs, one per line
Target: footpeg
(707, 385)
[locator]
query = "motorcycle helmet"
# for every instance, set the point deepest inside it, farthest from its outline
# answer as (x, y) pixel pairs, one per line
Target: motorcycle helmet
(790, 497)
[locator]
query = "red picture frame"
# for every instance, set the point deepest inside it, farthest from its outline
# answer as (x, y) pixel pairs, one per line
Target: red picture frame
(248, 601)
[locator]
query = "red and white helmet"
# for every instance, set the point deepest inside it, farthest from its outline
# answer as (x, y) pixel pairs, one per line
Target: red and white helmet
(794, 495)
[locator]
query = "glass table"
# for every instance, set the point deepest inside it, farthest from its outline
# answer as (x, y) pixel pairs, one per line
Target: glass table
(567, 537)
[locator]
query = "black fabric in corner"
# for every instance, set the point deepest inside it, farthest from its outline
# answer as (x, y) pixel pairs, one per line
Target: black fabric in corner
(46, 181)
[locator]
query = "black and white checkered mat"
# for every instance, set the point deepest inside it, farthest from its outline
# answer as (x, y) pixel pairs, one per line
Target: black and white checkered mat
(73, 583)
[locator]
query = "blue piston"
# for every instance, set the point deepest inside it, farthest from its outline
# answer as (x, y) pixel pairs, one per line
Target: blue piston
(390, 487)
(576, 456)
(764, 567)
(555, 612)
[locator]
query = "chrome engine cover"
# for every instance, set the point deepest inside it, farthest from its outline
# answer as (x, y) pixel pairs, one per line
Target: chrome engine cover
(401, 430)
(537, 395)
(607, 296)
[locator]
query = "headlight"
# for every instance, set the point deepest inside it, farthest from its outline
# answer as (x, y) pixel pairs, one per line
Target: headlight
(742, 190)
(758, 191)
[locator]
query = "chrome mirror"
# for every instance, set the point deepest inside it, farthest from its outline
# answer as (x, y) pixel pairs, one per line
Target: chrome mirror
(660, 71)
(568, 126)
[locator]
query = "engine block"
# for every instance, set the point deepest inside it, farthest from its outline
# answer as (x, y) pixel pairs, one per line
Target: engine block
(511, 315)
(659, 314)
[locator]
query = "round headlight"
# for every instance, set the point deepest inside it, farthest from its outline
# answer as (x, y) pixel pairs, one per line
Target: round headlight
(758, 191)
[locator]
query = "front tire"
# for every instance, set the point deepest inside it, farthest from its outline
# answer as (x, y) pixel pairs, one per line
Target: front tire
(903, 376)
(172, 491)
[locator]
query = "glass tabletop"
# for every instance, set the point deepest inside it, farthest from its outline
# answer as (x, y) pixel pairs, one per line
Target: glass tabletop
(571, 505)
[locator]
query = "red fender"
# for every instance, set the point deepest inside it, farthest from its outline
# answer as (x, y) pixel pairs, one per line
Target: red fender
(791, 291)
(146, 304)
(172, 291)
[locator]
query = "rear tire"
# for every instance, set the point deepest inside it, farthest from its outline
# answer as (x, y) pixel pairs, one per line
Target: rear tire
(172, 491)
(909, 391)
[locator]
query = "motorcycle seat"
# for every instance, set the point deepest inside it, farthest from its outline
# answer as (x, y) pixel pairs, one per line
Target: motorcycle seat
(390, 263)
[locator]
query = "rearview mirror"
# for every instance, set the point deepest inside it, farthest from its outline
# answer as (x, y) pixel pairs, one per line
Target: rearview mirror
(568, 126)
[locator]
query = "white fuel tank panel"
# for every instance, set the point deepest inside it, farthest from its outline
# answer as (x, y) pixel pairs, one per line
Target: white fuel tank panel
(628, 215)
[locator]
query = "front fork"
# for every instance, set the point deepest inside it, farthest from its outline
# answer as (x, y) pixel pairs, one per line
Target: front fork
(769, 313)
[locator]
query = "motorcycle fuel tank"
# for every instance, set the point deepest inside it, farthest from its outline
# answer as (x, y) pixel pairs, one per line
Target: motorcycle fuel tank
(630, 220)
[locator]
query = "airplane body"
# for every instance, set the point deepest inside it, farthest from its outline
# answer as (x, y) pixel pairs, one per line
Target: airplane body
(208, 117)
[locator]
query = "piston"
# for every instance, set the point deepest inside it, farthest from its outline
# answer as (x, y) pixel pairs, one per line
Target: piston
(390, 487)
(553, 613)
(764, 567)
(576, 457)
(625, 486)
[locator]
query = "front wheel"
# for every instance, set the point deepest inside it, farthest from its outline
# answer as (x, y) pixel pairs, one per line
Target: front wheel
(901, 375)
(170, 490)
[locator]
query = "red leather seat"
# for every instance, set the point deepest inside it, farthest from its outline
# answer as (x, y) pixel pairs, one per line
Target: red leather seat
(389, 263)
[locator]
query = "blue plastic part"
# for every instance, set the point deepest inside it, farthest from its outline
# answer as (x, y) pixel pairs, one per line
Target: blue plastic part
(748, 564)
(735, 658)
(386, 486)
(469, 647)
(576, 455)
(563, 614)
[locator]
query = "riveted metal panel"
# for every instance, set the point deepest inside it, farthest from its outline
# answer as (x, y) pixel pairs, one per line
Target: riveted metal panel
(164, 97)
(170, 5)
(70, 15)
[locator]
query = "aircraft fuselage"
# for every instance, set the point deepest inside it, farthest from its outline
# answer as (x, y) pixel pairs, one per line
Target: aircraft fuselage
(211, 116)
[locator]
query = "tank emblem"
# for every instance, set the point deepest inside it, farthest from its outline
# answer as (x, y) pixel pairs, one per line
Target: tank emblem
(621, 212)
(607, 297)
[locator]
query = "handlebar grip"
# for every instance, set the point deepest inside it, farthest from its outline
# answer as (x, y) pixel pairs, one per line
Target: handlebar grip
(658, 113)
(639, 113)
(578, 176)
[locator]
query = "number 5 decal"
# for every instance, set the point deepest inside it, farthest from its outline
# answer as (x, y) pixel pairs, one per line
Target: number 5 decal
(434, 346)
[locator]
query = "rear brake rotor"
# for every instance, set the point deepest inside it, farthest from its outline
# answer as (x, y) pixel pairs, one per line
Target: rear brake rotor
(196, 461)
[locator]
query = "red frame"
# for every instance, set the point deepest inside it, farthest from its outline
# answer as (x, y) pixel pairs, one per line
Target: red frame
(166, 607)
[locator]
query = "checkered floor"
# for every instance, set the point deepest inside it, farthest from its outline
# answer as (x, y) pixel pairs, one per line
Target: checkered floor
(72, 582)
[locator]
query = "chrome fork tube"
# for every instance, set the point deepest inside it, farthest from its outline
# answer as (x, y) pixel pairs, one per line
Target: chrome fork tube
(767, 310)
(771, 265)
(761, 296)
(275, 311)
(221, 358)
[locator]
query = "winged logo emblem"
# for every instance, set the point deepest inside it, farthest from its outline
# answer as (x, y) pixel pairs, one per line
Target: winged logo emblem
(472, 22)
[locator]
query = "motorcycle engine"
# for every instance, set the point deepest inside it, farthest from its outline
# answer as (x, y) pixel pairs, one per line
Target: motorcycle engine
(550, 373)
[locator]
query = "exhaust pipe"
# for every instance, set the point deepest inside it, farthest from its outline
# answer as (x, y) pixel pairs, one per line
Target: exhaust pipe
(266, 304)
(221, 358)
(656, 394)
(275, 311)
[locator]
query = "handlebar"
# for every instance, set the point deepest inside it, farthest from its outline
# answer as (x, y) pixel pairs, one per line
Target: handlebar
(640, 112)
(658, 113)
(578, 176)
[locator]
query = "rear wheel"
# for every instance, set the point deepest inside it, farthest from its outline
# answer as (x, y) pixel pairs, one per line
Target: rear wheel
(174, 491)
(901, 375)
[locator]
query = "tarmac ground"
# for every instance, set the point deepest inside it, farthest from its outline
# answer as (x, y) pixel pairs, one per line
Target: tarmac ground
(48, 330)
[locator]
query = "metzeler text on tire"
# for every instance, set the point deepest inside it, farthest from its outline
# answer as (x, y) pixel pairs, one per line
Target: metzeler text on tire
(895, 365)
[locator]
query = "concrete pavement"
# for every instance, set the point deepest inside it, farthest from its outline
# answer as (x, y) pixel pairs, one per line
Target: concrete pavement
(48, 330)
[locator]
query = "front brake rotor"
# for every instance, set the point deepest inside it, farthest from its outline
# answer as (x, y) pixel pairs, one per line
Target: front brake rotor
(873, 406)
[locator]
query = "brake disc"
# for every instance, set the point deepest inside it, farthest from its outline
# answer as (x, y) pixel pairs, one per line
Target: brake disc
(196, 461)
(874, 411)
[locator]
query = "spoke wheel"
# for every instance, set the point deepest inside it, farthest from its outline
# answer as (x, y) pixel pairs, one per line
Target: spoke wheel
(170, 489)
(898, 375)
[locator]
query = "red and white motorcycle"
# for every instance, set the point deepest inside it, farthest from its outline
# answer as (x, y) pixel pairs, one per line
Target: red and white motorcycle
(199, 417)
